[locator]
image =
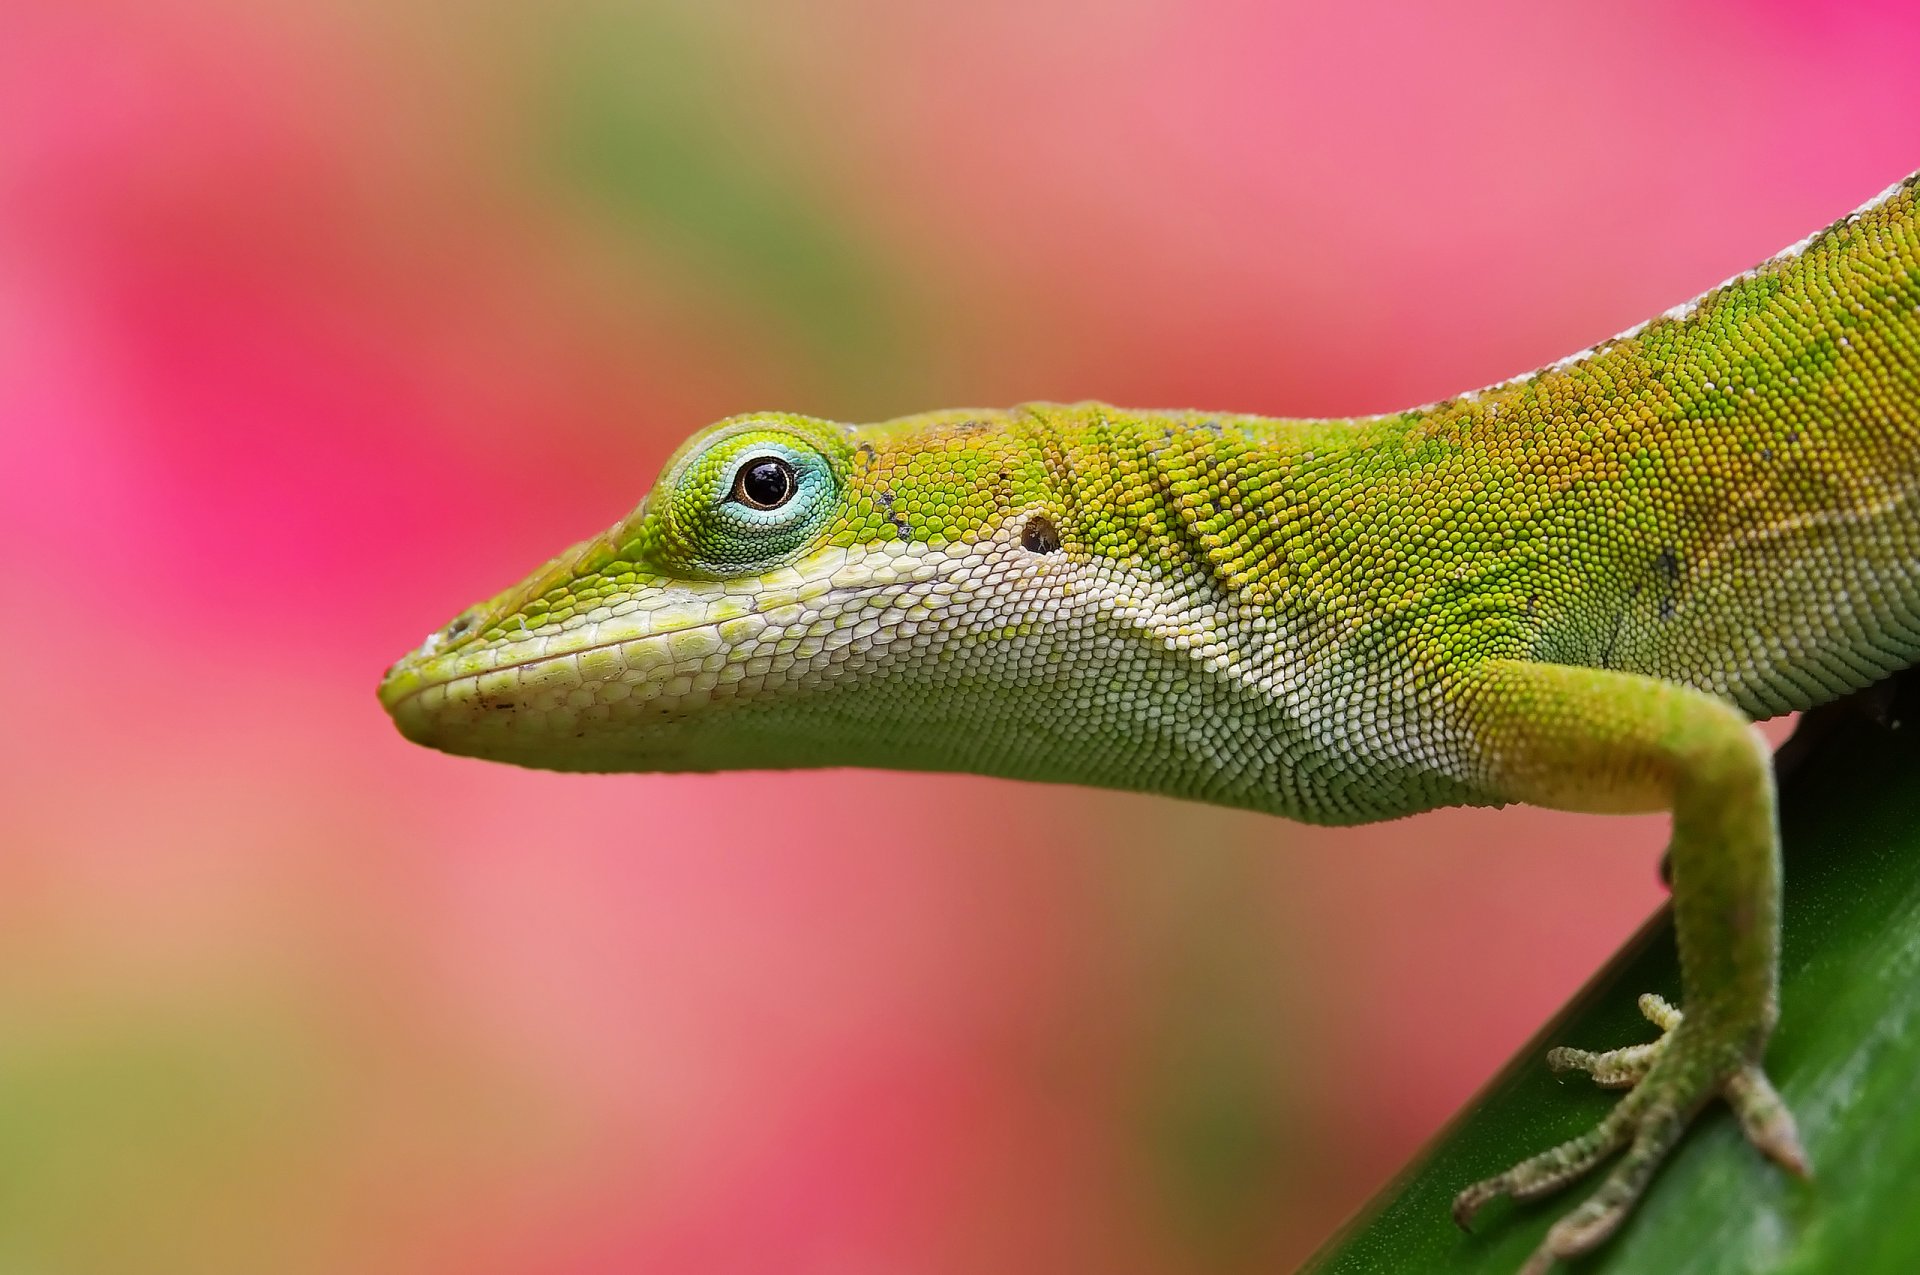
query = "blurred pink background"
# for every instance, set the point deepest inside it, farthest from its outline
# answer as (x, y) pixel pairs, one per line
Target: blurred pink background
(320, 320)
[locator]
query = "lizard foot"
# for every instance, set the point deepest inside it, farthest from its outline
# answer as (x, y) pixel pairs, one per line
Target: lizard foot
(1669, 1080)
(1621, 1068)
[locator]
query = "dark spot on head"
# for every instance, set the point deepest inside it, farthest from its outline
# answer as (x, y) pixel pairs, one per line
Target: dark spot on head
(1040, 535)
(1666, 608)
(884, 499)
(867, 453)
(1791, 437)
(1766, 453)
(1667, 563)
(900, 526)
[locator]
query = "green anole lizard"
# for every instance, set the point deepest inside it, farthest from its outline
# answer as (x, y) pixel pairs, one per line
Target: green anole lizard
(1574, 589)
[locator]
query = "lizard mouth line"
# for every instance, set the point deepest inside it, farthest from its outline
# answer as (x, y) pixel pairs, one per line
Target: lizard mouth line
(530, 661)
(832, 596)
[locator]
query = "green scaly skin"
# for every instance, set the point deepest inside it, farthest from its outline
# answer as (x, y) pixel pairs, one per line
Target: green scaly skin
(1574, 589)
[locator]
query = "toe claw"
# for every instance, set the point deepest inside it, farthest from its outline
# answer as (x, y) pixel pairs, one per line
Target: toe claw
(1566, 1058)
(1766, 1120)
(1468, 1203)
(1660, 1011)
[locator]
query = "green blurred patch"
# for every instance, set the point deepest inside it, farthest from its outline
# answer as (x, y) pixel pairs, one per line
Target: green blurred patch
(1216, 1120)
(236, 1135)
(1219, 1137)
(151, 1141)
(661, 121)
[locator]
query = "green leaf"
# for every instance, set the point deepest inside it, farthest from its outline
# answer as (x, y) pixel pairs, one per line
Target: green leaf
(1846, 1057)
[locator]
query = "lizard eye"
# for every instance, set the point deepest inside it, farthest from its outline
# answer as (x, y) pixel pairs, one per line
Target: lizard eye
(765, 482)
(745, 500)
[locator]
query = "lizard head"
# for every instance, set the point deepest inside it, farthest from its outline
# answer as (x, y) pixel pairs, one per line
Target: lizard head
(793, 592)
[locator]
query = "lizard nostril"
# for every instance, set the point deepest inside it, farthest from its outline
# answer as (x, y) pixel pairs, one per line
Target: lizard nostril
(460, 625)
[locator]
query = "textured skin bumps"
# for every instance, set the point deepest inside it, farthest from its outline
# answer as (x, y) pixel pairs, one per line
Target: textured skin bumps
(1260, 612)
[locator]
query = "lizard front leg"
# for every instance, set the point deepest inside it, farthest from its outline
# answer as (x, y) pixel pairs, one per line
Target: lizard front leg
(1585, 739)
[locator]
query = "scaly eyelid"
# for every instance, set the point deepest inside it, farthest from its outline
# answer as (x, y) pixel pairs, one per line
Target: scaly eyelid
(819, 438)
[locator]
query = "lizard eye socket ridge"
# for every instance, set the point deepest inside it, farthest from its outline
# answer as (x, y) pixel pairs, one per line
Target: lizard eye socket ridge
(747, 502)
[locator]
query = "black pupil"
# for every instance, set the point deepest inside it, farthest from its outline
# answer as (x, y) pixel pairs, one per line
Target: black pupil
(766, 483)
